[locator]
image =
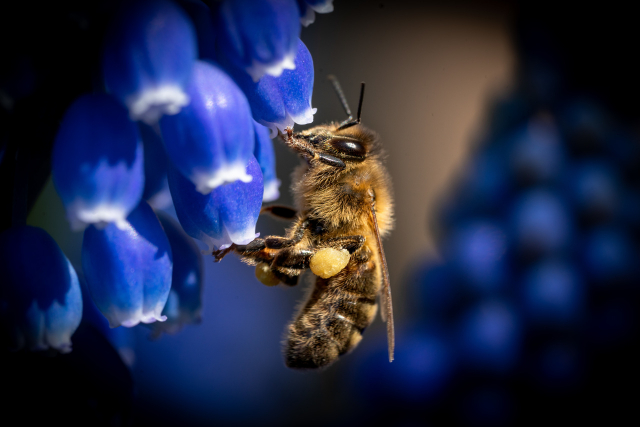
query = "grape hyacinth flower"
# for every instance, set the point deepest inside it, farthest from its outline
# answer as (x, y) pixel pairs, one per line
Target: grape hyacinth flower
(128, 271)
(279, 102)
(184, 305)
(226, 215)
(553, 294)
(97, 164)
(40, 297)
(309, 8)
(148, 59)
(264, 153)
(489, 336)
(258, 36)
(211, 140)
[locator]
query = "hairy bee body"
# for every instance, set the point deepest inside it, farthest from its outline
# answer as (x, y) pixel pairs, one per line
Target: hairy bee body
(339, 308)
(343, 200)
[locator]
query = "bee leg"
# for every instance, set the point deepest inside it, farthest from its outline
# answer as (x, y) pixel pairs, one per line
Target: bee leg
(278, 242)
(350, 243)
(255, 251)
(278, 211)
(329, 160)
(293, 258)
(265, 250)
(287, 279)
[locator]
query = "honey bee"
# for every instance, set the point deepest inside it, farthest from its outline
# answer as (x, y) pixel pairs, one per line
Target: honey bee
(342, 192)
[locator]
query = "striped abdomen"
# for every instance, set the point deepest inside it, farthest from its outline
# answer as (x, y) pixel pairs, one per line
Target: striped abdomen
(333, 319)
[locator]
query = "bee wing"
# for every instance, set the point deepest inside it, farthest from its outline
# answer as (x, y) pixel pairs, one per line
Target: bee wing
(387, 306)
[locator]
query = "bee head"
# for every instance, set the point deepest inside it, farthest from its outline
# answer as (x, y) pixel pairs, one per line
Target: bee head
(325, 143)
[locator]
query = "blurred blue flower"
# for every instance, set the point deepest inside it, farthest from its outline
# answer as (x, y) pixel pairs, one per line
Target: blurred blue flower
(226, 215)
(266, 157)
(537, 153)
(541, 223)
(156, 186)
(485, 186)
(211, 140)
(148, 58)
(40, 297)
(258, 36)
(184, 305)
(423, 367)
(489, 336)
(128, 271)
(309, 8)
(97, 162)
(593, 187)
(279, 102)
(478, 252)
(553, 294)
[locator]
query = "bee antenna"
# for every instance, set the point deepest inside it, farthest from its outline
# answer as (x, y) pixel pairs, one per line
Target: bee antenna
(360, 102)
(340, 93)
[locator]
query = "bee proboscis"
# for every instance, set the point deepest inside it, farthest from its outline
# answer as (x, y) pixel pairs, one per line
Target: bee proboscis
(344, 201)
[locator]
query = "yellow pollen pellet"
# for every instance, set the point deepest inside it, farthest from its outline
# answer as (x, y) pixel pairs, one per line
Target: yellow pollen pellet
(265, 275)
(328, 262)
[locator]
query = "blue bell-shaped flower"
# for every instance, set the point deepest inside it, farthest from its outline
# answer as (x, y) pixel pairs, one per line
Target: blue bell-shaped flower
(211, 140)
(309, 8)
(266, 156)
(128, 271)
(40, 297)
(279, 102)
(184, 305)
(97, 162)
(258, 36)
(148, 58)
(226, 215)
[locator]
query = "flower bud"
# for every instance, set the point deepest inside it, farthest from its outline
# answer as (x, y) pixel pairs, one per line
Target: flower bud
(97, 162)
(128, 270)
(211, 140)
(226, 215)
(40, 297)
(258, 36)
(148, 58)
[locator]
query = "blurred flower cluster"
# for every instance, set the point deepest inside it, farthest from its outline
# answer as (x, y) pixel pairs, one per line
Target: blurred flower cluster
(535, 292)
(188, 99)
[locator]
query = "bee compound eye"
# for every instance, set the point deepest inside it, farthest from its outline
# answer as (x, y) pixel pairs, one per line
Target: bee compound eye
(348, 147)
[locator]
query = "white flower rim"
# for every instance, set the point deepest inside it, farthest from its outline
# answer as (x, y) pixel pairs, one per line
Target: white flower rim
(275, 68)
(80, 216)
(227, 173)
(303, 118)
(150, 104)
(326, 7)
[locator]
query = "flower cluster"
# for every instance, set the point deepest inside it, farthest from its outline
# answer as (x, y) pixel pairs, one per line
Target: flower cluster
(190, 93)
(536, 289)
